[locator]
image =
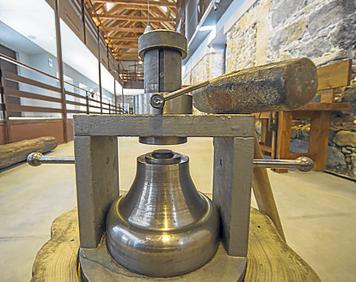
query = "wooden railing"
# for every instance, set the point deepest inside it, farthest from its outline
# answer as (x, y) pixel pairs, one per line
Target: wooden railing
(83, 101)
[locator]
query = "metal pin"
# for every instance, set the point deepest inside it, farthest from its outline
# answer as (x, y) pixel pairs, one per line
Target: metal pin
(37, 158)
(302, 163)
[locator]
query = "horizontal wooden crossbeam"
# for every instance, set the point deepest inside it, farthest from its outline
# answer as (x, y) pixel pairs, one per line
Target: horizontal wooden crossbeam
(139, 3)
(134, 19)
(123, 29)
(123, 39)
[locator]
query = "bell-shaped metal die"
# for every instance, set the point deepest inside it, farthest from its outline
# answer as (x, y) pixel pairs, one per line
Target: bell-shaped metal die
(163, 226)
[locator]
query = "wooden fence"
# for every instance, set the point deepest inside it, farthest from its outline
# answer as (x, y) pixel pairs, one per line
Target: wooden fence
(13, 100)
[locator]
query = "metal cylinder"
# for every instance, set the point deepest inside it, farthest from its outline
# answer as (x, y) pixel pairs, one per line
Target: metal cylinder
(162, 52)
(278, 86)
(163, 226)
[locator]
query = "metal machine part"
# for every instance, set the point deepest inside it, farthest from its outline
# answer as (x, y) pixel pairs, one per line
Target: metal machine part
(163, 226)
(302, 163)
(162, 52)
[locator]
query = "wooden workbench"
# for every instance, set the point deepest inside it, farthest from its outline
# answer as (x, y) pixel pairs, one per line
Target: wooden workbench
(330, 78)
(269, 257)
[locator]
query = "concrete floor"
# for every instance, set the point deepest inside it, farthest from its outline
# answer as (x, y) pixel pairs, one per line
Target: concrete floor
(318, 210)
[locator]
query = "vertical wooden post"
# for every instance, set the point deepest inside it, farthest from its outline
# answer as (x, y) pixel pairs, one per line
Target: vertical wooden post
(283, 136)
(115, 97)
(233, 157)
(99, 69)
(7, 133)
(60, 70)
(318, 139)
(122, 99)
(83, 21)
(97, 177)
(87, 101)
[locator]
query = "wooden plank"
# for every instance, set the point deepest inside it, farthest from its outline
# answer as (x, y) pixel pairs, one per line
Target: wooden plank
(76, 111)
(24, 94)
(318, 139)
(75, 95)
(270, 259)
(283, 136)
(16, 152)
(334, 75)
(140, 3)
(134, 18)
(123, 29)
(266, 148)
(76, 103)
(169, 125)
(97, 179)
(327, 96)
(232, 190)
(325, 107)
(19, 78)
(17, 108)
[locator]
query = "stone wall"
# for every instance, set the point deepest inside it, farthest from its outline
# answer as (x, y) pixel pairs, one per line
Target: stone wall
(209, 66)
(322, 30)
(272, 30)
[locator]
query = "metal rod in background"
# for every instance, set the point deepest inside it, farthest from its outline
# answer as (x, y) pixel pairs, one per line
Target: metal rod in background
(60, 69)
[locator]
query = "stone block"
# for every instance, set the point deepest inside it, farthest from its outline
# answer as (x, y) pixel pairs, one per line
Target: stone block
(345, 138)
(323, 17)
(285, 9)
(287, 35)
(335, 158)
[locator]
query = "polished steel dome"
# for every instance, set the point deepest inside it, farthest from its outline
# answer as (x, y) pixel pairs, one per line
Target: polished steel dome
(163, 226)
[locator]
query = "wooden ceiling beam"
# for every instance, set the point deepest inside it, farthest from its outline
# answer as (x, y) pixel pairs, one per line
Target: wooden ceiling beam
(139, 2)
(135, 19)
(118, 29)
(125, 46)
(123, 39)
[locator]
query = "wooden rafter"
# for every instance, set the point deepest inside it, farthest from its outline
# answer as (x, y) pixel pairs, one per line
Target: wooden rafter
(119, 29)
(134, 19)
(139, 2)
(122, 21)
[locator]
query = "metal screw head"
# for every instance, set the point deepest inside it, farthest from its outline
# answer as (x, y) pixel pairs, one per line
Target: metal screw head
(157, 101)
(34, 159)
(306, 164)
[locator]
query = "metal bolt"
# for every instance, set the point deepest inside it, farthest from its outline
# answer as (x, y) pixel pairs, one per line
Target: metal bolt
(157, 101)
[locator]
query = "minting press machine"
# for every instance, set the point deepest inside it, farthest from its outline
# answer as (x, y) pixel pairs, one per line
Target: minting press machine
(164, 227)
